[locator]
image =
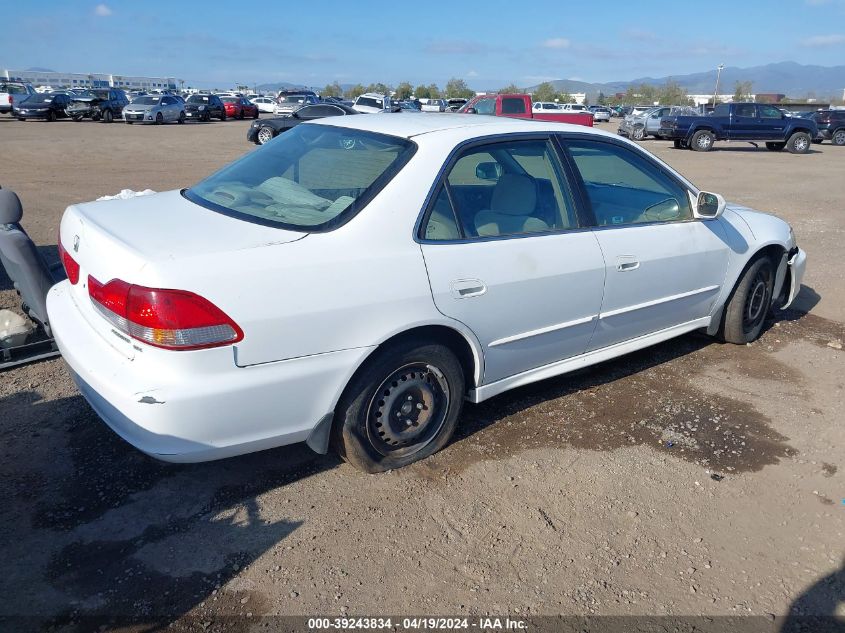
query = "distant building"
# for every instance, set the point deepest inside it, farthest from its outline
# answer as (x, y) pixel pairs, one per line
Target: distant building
(705, 99)
(89, 80)
(770, 97)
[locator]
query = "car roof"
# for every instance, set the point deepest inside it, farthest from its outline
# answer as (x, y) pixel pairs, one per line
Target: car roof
(459, 127)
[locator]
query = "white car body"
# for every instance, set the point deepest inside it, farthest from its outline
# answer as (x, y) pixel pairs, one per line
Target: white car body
(601, 115)
(265, 104)
(371, 103)
(433, 105)
(314, 306)
(540, 106)
(574, 107)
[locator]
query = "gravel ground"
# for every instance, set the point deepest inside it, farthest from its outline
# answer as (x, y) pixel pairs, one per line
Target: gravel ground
(688, 479)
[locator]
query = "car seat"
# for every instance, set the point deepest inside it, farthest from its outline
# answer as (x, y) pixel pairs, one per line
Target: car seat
(512, 207)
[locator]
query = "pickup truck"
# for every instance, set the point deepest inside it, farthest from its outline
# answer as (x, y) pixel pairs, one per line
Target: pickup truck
(740, 122)
(12, 92)
(519, 106)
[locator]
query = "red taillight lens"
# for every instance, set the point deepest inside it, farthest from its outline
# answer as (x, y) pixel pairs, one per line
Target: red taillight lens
(172, 319)
(70, 264)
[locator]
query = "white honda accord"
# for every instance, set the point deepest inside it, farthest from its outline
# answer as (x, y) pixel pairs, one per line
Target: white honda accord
(352, 282)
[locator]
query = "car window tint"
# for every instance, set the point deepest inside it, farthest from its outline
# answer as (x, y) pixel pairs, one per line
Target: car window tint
(513, 105)
(624, 188)
(769, 112)
(441, 223)
(510, 188)
(746, 110)
(485, 106)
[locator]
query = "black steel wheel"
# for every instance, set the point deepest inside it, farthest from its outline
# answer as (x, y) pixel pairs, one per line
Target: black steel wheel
(750, 303)
(401, 406)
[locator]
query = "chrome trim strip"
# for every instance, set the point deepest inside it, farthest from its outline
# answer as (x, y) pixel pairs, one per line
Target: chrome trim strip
(655, 302)
(542, 330)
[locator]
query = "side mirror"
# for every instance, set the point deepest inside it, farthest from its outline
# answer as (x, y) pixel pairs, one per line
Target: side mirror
(488, 171)
(709, 205)
(470, 111)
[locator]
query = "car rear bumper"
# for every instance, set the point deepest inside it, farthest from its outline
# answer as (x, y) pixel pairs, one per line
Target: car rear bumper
(197, 406)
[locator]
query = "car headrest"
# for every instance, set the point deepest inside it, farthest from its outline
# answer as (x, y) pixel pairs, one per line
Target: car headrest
(514, 194)
(11, 210)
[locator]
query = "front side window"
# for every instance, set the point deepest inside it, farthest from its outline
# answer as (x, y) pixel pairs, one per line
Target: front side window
(312, 178)
(502, 189)
(768, 112)
(625, 188)
(485, 106)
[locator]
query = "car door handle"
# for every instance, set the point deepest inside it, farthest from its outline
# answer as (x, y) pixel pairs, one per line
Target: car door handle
(465, 288)
(626, 263)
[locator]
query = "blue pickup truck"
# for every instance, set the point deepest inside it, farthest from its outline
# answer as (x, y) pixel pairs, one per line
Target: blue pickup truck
(740, 122)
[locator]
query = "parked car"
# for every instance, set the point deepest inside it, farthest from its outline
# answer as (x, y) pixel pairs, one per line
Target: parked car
(330, 288)
(831, 126)
(371, 103)
(546, 105)
(641, 124)
(266, 130)
(455, 103)
(155, 108)
(42, 106)
(265, 104)
(433, 105)
(239, 107)
(11, 92)
(100, 103)
(290, 103)
(204, 107)
(741, 122)
(601, 113)
(519, 106)
(574, 107)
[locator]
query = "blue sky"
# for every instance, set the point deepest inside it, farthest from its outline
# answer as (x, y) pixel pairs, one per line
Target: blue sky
(487, 43)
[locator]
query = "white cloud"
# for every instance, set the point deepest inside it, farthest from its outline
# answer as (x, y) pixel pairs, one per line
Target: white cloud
(817, 41)
(557, 42)
(472, 73)
(102, 10)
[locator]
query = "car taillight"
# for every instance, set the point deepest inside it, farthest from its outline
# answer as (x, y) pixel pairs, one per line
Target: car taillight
(171, 319)
(70, 264)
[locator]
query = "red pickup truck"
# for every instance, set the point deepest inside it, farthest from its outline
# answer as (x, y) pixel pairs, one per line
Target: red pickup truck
(520, 107)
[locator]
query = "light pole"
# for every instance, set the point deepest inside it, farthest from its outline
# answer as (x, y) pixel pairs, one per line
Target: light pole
(716, 91)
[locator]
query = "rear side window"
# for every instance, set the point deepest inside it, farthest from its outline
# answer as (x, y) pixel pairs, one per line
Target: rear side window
(625, 188)
(312, 178)
(513, 105)
(13, 89)
(502, 189)
(485, 106)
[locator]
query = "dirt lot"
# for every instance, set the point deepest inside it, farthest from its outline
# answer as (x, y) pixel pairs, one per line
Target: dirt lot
(583, 495)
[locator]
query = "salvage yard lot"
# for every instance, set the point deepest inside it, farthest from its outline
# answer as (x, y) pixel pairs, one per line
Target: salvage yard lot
(585, 494)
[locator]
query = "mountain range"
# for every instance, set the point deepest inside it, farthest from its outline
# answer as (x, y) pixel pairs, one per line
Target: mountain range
(789, 78)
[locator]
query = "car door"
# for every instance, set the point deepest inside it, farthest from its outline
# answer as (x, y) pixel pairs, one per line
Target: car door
(771, 123)
(664, 268)
(507, 255)
(744, 123)
(653, 121)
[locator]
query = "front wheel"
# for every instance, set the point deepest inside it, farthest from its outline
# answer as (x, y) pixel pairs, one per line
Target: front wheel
(159, 118)
(702, 141)
(76, 118)
(402, 406)
(108, 117)
(181, 118)
(223, 116)
(799, 143)
(255, 114)
(638, 133)
(265, 135)
(51, 116)
(838, 137)
(749, 303)
(775, 147)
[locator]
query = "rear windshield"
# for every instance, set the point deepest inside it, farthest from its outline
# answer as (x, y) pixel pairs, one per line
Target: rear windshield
(13, 89)
(293, 99)
(199, 99)
(230, 99)
(146, 101)
(312, 178)
(370, 102)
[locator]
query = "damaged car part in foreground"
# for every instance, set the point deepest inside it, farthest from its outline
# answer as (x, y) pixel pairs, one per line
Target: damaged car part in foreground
(351, 283)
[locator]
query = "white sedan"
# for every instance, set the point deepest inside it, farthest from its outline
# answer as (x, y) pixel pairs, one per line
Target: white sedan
(351, 283)
(265, 104)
